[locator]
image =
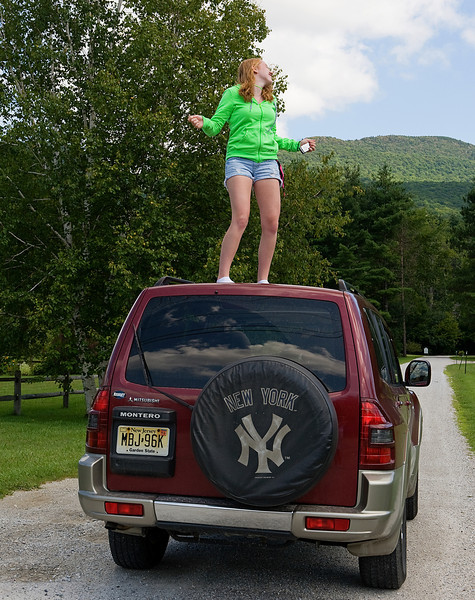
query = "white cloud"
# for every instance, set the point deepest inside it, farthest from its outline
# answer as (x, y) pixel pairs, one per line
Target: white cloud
(331, 51)
(469, 36)
(468, 33)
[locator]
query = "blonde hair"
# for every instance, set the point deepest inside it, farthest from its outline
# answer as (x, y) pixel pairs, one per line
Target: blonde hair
(246, 79)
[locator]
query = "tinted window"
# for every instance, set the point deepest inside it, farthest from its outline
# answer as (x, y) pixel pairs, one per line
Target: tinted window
(388, 363)
(188, 339)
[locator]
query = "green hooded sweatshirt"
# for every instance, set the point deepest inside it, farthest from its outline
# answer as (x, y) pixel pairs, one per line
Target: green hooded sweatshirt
(252, 129)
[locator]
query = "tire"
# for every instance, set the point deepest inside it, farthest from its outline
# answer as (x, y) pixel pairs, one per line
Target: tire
(386, 572)
(264, 431)
(412, 504)
(137, 552)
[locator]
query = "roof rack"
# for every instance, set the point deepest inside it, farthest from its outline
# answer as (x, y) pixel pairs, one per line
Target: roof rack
(344, 286)
(167, 280)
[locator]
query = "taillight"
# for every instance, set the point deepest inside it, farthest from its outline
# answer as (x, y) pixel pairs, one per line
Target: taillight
(124, 508)
(97, 426)
(377, 448)
(327, 524)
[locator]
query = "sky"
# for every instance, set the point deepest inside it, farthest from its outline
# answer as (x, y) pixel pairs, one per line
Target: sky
(362, 68)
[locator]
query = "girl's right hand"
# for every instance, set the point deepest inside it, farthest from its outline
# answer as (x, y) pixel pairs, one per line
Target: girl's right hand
(196, 121)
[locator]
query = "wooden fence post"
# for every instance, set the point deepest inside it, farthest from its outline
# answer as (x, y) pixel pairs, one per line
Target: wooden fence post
(17, 394)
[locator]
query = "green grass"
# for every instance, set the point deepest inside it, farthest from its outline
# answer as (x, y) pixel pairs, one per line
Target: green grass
(42, 444)
(463, 385)
(34, 387)
(405, 359)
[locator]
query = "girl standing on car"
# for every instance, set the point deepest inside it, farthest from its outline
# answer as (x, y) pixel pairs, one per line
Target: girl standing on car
(251, 160)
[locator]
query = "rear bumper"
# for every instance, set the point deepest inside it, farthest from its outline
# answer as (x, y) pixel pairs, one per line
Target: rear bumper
(374, 521)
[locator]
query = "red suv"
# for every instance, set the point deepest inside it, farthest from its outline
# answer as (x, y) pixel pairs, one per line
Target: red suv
(255, 411)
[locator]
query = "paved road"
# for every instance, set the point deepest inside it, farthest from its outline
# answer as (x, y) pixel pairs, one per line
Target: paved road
(50, 549)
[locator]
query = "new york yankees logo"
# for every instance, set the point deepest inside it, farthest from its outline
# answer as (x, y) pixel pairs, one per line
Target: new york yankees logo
(249, 438)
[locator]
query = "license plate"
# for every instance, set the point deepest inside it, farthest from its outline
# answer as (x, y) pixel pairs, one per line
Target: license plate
(148, 441)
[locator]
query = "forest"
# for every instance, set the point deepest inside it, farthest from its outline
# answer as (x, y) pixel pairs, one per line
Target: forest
(104, 186)
(438, 171)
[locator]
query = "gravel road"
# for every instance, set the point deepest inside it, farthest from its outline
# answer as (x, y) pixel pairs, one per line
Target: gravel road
(50, 549)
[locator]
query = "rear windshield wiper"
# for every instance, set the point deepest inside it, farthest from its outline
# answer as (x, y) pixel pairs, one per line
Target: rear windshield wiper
(148, 376)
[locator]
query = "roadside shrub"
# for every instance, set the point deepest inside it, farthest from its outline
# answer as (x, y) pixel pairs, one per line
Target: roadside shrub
(9, 365)
(413, 348)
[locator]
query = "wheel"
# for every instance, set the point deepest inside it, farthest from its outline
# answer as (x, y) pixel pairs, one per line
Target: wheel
(137, 552)
(386, 572)
(412, 503)
(264, 431)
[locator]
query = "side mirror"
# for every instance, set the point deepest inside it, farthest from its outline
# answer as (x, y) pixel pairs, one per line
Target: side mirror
(418, 373)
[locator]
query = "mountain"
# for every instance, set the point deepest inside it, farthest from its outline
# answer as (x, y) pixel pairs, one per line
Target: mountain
(437, 171)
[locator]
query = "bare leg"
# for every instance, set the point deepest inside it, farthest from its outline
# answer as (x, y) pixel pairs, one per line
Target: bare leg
(239, 188)
(268, 198)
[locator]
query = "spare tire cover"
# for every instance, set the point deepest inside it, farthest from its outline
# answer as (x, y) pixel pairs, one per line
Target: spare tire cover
(264, 431)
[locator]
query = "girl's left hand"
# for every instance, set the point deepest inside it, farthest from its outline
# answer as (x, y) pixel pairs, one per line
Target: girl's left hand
(310, 142)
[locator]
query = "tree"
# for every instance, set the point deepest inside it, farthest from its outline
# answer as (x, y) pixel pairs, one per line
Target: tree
(464, 287)
(399, 257)
(103, 186)
(367, 256)
(311, 209)
(426, 274)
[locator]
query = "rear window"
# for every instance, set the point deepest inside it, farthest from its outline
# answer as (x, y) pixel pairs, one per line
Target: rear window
(185, 340)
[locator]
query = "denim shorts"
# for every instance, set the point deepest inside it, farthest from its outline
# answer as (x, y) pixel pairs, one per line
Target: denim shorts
(267, 169)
